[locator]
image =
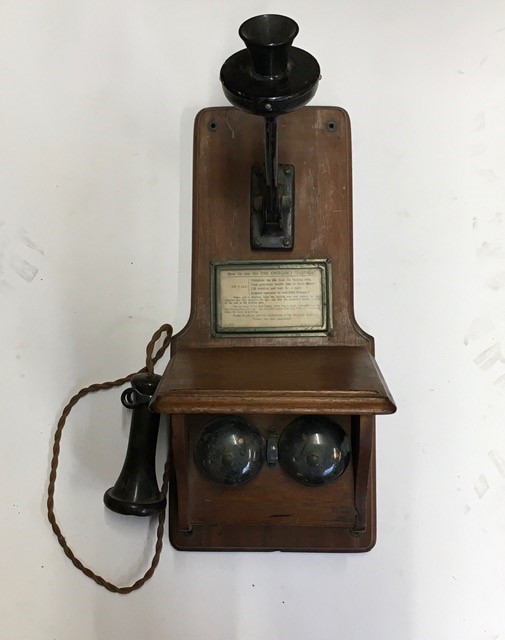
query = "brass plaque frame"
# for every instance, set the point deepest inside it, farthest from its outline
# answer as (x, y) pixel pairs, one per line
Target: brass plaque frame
(219, 266)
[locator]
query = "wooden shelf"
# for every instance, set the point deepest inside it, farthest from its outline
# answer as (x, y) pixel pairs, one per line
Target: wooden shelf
(338, 380)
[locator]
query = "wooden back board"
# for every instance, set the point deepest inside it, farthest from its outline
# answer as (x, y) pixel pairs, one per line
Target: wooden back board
(227, 143)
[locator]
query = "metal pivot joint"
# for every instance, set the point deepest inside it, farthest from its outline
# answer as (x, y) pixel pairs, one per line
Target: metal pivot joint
(272, 448)
(270, 78)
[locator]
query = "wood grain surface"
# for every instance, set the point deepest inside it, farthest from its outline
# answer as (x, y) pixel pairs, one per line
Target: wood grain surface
(272, 378)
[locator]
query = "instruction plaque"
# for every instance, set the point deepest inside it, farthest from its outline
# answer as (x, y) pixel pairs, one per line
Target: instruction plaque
(252, 297)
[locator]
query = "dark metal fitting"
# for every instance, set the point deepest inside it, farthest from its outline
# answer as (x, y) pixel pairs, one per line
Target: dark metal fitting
(272, 448)
(130, 398)
(142, 390)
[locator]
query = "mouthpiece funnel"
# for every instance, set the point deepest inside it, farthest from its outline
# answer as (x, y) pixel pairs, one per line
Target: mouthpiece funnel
(268, 39)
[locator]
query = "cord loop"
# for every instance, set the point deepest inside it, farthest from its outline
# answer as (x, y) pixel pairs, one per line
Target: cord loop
(150, 364)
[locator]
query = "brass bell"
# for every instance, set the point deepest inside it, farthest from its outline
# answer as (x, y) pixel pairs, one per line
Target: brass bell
(314, 450)
(229, 450)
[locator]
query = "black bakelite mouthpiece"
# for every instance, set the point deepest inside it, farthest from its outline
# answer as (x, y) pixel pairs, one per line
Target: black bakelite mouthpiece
(270, 77)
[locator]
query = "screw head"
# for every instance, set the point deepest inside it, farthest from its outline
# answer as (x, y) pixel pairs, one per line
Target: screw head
(313, 460)
(286, 242)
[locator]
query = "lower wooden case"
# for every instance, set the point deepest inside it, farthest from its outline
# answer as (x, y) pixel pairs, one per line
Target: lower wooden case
(272, 512)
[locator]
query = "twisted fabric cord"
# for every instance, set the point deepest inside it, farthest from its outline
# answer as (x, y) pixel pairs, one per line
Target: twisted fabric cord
(150, 363)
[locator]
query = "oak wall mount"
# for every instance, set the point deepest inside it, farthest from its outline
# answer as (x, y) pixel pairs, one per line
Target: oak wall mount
(272, 388)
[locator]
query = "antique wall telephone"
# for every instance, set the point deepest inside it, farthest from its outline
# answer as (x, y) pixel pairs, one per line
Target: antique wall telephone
(272, 387)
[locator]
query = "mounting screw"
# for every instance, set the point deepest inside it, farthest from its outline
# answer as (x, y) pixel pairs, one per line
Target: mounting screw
(331, 125)
(212, 126)
(287, 241)
(287, 170)
(268, 106)
(258, 243)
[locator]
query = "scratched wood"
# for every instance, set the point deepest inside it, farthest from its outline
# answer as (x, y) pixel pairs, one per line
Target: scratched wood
(180, 465)
(363, 446)
(273, 511)
(272, 496)
(340, 380)
(323, 212)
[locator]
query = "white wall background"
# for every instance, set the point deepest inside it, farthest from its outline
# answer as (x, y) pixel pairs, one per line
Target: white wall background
(96, 111)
